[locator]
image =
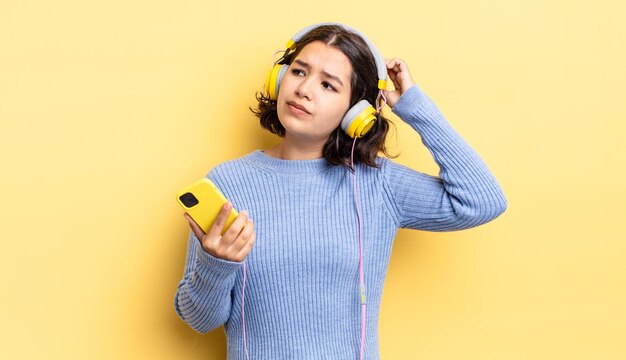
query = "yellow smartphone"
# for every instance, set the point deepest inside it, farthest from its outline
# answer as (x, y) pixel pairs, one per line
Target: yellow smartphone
(203, 201)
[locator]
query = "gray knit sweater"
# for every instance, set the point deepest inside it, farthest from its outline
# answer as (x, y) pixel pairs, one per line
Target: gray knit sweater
(302, 298)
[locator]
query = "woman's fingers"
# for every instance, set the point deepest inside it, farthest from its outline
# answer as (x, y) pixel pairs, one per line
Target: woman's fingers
(399, 74)
(245, 250)
(401, 78)
(194, 227)
(235, 243)
(234, 229)
(222, 246)
(242, 245)
(220, 221)
(243, 237)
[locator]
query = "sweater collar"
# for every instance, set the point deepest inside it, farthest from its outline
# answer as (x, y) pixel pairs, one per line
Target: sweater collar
(260, 158)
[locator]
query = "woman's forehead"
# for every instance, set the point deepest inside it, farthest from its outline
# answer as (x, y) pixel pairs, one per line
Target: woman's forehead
(325, 58)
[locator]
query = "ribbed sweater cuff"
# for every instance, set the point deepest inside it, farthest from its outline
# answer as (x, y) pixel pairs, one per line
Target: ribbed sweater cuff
(411, 99)
(416, 109)
(211, 267)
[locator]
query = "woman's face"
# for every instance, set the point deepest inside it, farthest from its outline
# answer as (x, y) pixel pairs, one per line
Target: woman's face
(314, 94)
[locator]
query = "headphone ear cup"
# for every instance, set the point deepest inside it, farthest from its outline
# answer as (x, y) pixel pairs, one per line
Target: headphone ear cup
(272, 82)
(359, 119)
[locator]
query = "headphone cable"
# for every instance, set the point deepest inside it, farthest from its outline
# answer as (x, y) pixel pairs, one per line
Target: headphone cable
(361, 276)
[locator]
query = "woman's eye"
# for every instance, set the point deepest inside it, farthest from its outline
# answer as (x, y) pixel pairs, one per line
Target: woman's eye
(328, 86)
(297, 71)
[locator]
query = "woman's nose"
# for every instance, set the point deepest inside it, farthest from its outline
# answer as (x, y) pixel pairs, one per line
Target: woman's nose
(303, 89)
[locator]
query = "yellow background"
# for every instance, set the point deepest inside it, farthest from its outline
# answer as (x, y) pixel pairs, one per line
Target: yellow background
(108, 108)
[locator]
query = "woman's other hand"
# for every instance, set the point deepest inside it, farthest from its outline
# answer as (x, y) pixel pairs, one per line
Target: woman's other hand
(237, 240)
(401, 77)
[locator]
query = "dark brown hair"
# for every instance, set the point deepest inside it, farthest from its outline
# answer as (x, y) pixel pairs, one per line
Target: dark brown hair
(364, 85)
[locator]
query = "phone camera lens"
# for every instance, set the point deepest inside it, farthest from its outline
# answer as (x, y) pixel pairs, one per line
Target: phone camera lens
(188, 199)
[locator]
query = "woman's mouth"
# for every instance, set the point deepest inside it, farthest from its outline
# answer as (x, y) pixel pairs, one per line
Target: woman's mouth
(297, 109)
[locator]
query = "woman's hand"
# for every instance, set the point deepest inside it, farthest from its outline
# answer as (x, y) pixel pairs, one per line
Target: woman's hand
(401, 77)
(236, 242)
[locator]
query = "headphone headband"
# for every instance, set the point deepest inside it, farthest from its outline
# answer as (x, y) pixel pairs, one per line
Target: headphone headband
(381, 67)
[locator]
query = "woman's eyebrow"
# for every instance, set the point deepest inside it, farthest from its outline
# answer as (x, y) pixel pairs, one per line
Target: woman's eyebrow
(327, 74)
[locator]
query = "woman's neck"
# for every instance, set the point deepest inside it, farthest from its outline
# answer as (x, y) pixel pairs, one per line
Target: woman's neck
(291, 149)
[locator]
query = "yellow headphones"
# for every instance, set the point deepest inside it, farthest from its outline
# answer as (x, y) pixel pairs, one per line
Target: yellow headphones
(359, 118)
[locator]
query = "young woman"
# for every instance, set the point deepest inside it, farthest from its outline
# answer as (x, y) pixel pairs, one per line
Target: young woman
(304, 280)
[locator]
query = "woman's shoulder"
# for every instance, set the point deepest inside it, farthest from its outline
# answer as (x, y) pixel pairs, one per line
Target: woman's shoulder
(381, 164)
(388, 170)
(231, 167)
